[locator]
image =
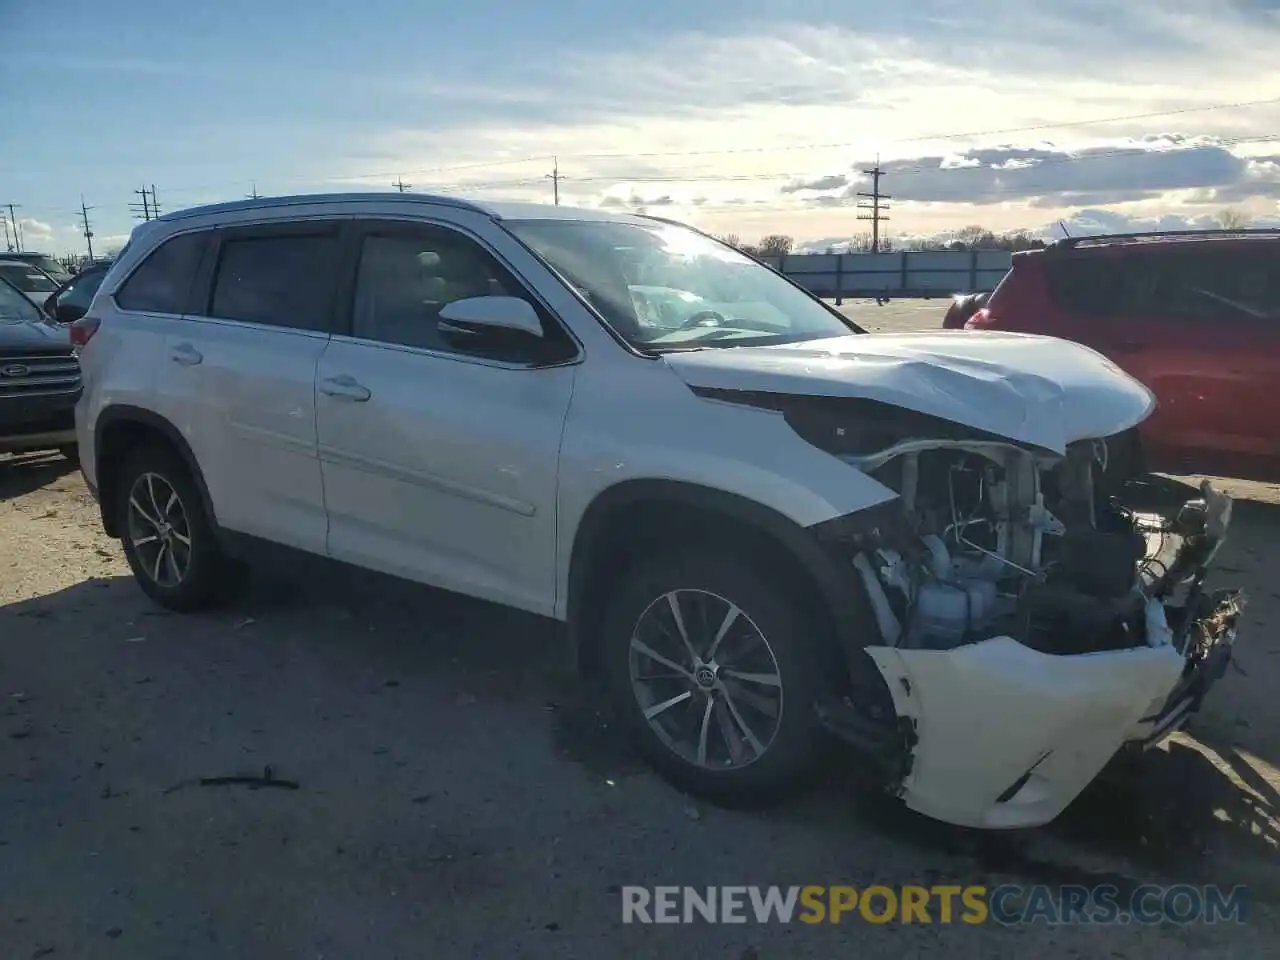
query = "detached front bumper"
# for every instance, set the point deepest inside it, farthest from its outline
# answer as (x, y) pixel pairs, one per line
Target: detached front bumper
(1006, 736)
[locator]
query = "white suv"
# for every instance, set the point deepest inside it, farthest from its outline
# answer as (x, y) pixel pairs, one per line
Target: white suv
(761, 525)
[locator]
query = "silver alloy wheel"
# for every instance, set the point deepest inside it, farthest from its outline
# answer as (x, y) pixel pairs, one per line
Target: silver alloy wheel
(159, 530)
(706, 679)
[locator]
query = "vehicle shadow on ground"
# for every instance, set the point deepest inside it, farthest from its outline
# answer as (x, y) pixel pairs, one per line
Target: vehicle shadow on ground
(22, 473)
(1154, 817)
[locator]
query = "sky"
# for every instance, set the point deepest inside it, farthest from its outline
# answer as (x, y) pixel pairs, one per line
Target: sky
(740, 116)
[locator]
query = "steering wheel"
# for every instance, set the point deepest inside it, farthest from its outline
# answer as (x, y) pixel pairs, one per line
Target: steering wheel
(702, 318)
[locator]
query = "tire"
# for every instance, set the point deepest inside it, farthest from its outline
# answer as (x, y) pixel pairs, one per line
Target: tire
(793, 743)
(161, 483)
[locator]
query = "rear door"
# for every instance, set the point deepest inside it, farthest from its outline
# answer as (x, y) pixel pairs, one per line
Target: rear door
(239, 374)
(1221, 305)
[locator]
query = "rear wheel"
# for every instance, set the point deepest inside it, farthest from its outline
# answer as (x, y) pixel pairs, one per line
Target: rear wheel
(714, 667)
(169, 540)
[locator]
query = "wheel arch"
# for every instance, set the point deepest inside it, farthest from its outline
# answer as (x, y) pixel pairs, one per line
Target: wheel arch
(121, 428)
(631, 518)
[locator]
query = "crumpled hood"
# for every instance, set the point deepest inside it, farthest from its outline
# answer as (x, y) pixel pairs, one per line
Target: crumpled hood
(1036, 390)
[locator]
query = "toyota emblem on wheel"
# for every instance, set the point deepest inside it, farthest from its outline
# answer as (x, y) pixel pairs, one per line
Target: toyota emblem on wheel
(15, 370)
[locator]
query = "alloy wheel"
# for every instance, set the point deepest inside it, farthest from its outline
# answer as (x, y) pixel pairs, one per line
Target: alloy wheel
(706, 679)
(159, 530)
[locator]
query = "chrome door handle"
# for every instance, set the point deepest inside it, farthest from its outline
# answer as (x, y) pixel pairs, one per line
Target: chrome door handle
(344, 388)
(186, 354)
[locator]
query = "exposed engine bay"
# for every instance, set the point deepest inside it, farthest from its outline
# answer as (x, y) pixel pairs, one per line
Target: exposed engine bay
(1004, 541)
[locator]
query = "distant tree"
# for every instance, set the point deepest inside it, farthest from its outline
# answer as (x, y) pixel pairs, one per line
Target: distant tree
(775, 245)
(732, 239)
(1233, 219)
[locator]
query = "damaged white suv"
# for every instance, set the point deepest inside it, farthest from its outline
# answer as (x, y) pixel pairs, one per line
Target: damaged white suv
(762, 526)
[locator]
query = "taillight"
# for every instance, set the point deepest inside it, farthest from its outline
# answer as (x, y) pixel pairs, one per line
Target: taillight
(980, 320)
(82, 330)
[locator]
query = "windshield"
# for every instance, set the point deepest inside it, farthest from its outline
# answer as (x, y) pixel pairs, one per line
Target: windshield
(665, 287)
(26, 278)
(15, 308)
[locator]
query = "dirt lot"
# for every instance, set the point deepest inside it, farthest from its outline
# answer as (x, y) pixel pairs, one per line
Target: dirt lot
(460, 796)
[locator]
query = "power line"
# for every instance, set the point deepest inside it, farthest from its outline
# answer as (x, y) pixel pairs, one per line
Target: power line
(875, 196)
(401, 185)
(960, 135)
(789, 148)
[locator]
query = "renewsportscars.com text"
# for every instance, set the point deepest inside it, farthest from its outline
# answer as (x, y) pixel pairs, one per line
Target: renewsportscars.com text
(1008, 904)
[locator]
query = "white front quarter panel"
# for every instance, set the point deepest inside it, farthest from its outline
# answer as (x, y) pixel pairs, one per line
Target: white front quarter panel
(988, 712)
(634, 419)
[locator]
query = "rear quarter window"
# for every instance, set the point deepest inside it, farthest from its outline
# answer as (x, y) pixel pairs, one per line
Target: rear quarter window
(162, 282)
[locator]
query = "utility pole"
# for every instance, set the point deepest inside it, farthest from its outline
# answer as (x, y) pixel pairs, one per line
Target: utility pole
(253, 194)
(8, 241)
(401, 185)
(155, 207)
(875, 196)
(554, 176)
(145, 205)
(17, 228)
(88, 231)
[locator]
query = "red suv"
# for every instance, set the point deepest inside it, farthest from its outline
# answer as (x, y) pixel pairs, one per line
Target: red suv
(1195, 316)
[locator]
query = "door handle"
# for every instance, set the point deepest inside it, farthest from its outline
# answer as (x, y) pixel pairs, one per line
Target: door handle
(344, 388)
(186, 354)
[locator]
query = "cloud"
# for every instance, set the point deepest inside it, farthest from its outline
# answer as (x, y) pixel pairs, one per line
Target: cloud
(829, 182)
(1092, 222)
(1049, 177)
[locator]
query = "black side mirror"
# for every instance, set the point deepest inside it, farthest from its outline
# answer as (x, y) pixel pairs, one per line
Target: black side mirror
(50, 306)
(68, 312)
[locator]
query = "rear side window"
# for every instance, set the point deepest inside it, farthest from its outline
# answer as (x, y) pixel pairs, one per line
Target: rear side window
(285, 280)
(1099, 285)
(162, 282)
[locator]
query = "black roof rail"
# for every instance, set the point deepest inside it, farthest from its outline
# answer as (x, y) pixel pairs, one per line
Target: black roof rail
(1072, 242)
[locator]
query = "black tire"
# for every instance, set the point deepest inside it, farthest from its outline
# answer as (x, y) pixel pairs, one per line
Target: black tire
(209, 577)
(794, 639)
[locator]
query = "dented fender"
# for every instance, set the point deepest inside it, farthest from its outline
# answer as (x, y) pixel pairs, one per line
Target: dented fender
(1008, 736)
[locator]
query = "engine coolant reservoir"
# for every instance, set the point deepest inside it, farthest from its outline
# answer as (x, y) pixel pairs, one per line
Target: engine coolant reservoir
(946, 613)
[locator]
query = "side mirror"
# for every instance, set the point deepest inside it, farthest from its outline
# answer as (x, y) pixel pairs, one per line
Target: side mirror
(50, 306)
(68, 312)
(474, 318)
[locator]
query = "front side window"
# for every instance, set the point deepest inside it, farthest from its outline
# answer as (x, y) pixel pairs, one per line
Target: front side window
(27, 279)
(282, 280)
(665, 287)
(1217, 284)
(406, 276)
(162, 282)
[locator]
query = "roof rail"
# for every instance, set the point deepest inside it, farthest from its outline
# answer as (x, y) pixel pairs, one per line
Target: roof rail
(1072, 242)
(267, 203)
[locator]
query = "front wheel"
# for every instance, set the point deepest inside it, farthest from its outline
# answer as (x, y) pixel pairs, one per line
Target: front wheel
(169, 541)
(714, 667)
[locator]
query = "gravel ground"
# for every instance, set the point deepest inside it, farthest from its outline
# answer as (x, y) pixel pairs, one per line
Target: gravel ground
(459, 795)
